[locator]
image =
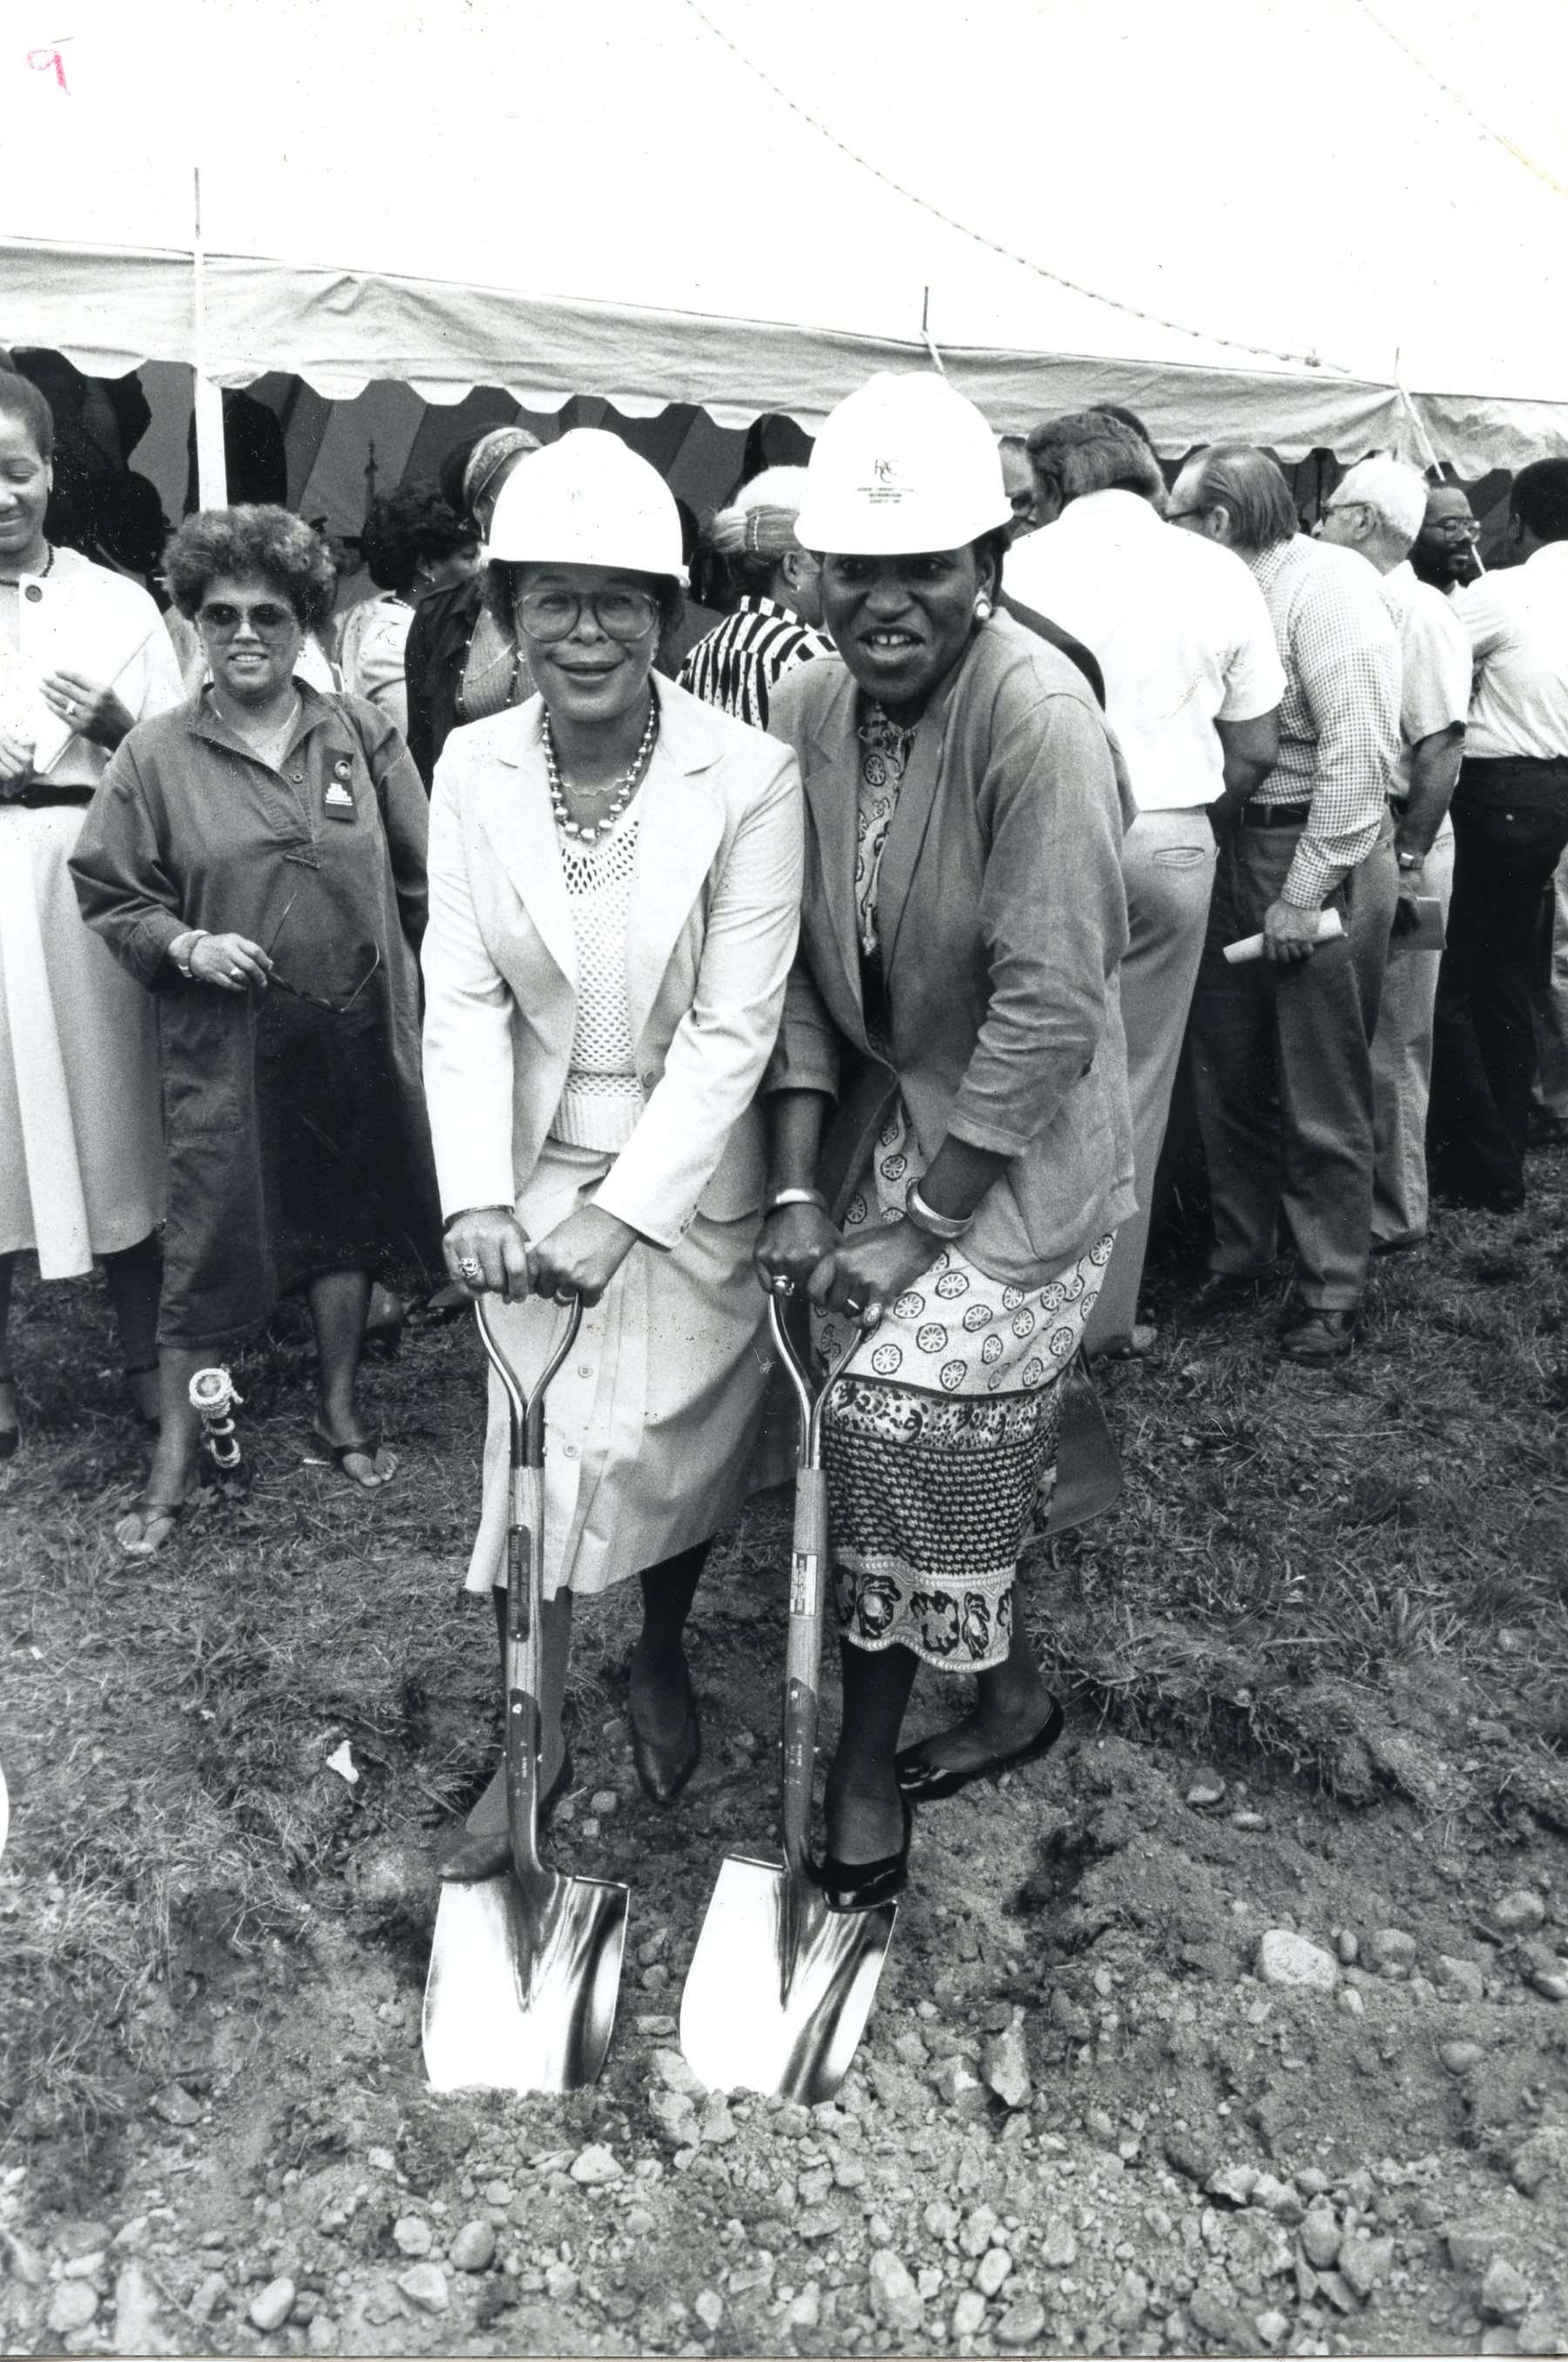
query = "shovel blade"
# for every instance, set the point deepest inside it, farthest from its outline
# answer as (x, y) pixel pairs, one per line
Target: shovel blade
(522, 1990)
(748, 2021)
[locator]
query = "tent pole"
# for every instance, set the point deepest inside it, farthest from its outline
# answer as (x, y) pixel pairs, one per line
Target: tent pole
(212, 472)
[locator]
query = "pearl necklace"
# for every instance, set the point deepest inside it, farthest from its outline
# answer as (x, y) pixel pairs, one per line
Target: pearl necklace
(587, 831)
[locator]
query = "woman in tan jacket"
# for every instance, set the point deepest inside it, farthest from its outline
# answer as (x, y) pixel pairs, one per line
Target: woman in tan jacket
(950, 1086)
(614, 885)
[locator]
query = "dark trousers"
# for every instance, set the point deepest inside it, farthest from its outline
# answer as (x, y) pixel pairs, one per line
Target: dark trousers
(1282, 1070)
(1510, 825)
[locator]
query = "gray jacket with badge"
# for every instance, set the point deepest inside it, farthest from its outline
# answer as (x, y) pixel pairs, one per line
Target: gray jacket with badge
(1002, 918)
(295, 1118)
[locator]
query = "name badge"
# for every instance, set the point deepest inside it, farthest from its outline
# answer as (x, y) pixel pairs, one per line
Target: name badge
(339, 798)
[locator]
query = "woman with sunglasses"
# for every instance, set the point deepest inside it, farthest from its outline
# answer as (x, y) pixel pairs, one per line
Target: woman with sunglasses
(614, 893)
(256, 859)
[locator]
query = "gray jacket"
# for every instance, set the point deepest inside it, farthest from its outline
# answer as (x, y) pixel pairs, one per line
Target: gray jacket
(1002, 918)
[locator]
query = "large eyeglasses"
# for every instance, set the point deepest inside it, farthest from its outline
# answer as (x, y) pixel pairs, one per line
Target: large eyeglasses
(620, 614)
(268, 622)
(1455, 528)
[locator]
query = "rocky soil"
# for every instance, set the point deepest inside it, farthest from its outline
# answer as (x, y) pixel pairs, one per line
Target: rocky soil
(1160, 2062)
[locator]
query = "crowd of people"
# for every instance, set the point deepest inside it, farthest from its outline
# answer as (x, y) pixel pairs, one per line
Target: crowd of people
(519, 934)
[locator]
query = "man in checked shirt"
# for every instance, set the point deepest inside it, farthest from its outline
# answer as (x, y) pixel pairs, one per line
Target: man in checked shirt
(1282, 1055)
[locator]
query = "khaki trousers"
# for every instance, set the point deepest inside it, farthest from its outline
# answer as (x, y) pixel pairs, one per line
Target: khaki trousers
(1402, 1069)
(1167, 864)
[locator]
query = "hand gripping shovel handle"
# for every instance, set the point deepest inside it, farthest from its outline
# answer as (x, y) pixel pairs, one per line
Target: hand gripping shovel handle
(807, 1564)
(525, 1585)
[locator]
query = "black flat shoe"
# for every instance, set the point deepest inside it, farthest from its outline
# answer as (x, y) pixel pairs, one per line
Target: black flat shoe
(862, 1885)
(926, 1783)
(663, 1771)
(465, 1856)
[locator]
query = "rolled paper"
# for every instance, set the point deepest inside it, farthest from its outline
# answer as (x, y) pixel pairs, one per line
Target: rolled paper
(1250, 947)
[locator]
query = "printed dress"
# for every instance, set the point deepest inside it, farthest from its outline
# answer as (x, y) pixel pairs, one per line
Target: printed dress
(942, 1434)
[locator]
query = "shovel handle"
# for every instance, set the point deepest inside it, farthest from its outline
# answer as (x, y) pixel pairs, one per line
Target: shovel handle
(807, 1573)
(525, 1583)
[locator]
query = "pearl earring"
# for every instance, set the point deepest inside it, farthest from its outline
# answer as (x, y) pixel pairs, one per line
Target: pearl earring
(982, 609)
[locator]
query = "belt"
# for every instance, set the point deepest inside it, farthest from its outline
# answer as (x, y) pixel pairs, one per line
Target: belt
(1255, 815)
(42, 799)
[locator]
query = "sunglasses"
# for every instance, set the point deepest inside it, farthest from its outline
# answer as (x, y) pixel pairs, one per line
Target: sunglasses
(267, 621)
(297, 991)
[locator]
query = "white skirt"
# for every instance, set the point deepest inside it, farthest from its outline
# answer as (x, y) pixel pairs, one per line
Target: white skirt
(81, 1107)
(649, 1427)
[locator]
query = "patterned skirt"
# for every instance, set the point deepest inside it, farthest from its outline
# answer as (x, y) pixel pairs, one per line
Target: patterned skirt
(941, 1435)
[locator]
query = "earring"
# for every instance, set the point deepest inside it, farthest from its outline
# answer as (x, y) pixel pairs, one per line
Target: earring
(982, 609)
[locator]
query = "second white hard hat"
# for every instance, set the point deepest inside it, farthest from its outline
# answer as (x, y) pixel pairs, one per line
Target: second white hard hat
(587, 500)
(904, 464)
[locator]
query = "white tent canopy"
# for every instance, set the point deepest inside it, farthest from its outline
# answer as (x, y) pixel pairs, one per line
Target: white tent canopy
(1241, 217)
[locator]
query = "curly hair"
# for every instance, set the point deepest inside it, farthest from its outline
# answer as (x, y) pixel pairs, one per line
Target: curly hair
(261, 543)
(406, 528)
(1091, 451)
(21, 401)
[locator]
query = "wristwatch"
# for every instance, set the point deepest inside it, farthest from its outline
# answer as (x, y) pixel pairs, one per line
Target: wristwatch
(1411, 861)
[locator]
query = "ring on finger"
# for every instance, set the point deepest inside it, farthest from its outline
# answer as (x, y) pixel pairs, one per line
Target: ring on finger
(471, 1268)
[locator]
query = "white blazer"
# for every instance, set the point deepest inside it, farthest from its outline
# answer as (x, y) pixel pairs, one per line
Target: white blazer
(710, 938)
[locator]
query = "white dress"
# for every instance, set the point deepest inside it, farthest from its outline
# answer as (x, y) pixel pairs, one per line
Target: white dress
(649, 1425)
(81, 1117)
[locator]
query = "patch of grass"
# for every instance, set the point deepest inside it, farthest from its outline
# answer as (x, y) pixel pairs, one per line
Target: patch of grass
(1357, 1573)
(1349, 1570)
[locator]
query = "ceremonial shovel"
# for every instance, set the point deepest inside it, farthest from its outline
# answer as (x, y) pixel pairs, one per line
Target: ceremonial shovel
(525, 1968)
(780, 1987)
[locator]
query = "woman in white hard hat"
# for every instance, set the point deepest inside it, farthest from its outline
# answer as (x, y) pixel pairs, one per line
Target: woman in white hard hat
(615, 882)
(950, 1085)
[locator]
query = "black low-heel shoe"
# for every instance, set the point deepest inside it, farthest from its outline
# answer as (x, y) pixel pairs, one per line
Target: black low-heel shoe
(926, 1783)
(663, 1771)
(464, 1856)
(862, 1885)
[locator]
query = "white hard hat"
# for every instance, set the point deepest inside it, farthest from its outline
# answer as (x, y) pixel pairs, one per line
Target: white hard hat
(587, 500)
(903, 464)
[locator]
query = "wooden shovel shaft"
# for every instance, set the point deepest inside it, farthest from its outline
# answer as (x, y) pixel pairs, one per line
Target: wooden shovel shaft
(802, 1661)
(524, 1603)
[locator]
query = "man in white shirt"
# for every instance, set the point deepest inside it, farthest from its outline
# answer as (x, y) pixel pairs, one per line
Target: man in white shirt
(1193, 682)
(1378, 510)
(1510, 823)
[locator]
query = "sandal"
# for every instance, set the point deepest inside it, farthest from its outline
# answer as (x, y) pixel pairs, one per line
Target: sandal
(10, 1434)
(147, 1525)
(368, 1448)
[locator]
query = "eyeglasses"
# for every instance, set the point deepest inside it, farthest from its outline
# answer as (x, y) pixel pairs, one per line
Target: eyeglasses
(620, 614)
(1175, 516)
(268, 622)
(297, 991)
(332, 1007)
(1453, 528)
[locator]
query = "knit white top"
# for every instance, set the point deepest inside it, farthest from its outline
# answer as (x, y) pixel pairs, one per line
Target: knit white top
(603, 1099)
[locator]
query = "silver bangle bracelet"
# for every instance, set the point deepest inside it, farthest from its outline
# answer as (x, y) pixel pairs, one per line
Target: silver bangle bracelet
(795, 1198)
(945, 1227)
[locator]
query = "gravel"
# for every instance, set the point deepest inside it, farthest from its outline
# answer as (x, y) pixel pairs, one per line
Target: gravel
(270, 2306)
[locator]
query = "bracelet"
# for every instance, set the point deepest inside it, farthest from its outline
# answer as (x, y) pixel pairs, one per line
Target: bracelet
(471, 1210)
(795, 1198)
(945, 1227)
